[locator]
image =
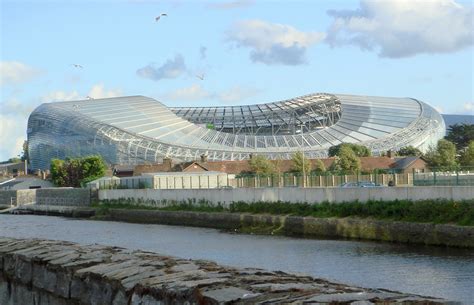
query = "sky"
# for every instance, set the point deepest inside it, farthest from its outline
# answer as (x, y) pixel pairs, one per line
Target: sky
(231, 53)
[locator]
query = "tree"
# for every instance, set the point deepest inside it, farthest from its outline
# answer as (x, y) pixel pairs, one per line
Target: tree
(460, 135)
(359, 150)
(467, 156)
(25, 155)
(409, 151)
(347, 160)
(443, 156)
(261, 165)
(300, 163)
(93, 167)
(75, 172)
(58, 172)
(319, 166)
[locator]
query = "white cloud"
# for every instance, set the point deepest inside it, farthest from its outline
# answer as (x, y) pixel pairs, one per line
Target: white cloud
(236, 95)
(469, 108)
(439, 109)
(60, 96)
(273, 43)
(202, 53)
(196, 92)
(172, 68)
(15, 112)
(402, 28)
(14, 72)
(12, 133)
(191, 93)
(227, 5)
(98, 91)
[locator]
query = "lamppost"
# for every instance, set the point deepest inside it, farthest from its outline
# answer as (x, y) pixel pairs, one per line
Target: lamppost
(302, 151)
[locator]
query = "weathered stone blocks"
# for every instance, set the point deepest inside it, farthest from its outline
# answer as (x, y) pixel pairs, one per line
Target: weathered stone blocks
(59, 273)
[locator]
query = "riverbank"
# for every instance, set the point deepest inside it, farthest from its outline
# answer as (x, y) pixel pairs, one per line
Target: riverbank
(295, 226)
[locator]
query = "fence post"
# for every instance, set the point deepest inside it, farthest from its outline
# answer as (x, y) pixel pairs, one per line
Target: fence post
(434, 177)
(457, 177)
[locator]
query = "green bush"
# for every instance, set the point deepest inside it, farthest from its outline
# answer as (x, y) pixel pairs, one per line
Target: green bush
(431, 211)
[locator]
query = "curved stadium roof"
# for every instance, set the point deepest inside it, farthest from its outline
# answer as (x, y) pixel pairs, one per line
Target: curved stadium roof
(138, 129)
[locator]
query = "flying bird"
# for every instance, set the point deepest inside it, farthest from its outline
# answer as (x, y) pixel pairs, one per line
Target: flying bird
(158, 17)
(77, 66)
(200, 76)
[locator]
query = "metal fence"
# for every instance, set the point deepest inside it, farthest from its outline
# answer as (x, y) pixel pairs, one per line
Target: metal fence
(462, 176)
(322, 180)
(443, 177)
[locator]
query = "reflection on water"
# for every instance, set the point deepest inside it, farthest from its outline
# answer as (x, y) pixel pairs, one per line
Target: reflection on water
(434, 271)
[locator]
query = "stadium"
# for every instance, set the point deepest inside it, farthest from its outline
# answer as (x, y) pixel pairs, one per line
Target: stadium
(137, 129)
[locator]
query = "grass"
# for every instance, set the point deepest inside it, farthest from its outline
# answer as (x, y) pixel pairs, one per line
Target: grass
(426, 211)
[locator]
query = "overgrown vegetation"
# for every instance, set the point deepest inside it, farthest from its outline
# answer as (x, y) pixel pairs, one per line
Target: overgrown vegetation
(300, 164)
(359, 150)
(76, 172)
(260, 165)
(426, 211)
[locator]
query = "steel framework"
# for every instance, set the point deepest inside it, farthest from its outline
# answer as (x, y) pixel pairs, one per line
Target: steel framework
(137, 129)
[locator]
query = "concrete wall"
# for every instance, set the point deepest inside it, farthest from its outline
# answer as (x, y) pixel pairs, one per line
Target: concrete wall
(293, 194)
(63, 197)
(17, 197)
(393, 231)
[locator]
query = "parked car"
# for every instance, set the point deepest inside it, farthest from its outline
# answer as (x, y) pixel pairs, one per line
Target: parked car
(360, 184)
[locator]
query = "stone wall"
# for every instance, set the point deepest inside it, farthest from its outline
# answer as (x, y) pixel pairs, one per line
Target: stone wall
(58, 273)
(393, 231)
(19, 197)
(63, 196)
(294, 194)
(47, 196)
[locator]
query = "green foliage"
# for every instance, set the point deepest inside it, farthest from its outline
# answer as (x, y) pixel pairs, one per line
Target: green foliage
(319, 166)
(93, 167)
(300, 163)
(347, 161)
(409, 151)
(460, 135)
(431, 211)
(434, 211)
(443, 156)
(25, 155)
(77, 171)
(467, 156)
(58, 172)
(260, 165)
(359, 150)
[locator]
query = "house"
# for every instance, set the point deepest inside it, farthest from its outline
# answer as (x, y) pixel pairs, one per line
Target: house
(408, 164)
(24, 183)
(13, 169)
(368, 164)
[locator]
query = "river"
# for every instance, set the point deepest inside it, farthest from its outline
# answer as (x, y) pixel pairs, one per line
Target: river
(425, 270)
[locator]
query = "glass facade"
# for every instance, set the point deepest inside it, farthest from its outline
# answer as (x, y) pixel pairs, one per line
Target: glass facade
(138, 129)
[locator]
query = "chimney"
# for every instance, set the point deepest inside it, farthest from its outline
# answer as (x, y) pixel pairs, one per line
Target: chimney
(390, 154)
(203, 158)
(168, 162)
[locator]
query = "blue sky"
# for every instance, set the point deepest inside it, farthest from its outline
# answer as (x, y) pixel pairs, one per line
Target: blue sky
(247, 52)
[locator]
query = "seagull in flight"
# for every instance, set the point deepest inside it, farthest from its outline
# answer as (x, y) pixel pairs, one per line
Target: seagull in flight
(77, 66)
(200, 76)
(158, 17)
